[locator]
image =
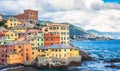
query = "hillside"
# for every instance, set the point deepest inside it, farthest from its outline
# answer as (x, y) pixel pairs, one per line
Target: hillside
(7, 16)
(74, 30)
(115, 35)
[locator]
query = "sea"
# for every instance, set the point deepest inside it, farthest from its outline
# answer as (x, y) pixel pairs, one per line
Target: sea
(100, 50)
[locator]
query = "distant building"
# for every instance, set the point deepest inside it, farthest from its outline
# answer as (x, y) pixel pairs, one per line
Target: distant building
(1, 17)
(29, 16)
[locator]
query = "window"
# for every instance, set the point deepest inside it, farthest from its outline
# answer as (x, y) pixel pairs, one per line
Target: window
(11, 34)
(46, 38)
(50, 28)
(38, 50)
(32, 44)
(33, 48)
(14, 49)
(64, 49)
(61, 38)
(33, 53)
(59, 50)
(32, 39)
(51, 38)
(42, 50)
(64, 38)
(41, 44)
(2, 55)
(26, 49)
(52, 49)
(7, 55)
(15, 34)
(38, 44)
(2, 60)
(14, 23)
(19, 46)
(57, 28)
(56, 50)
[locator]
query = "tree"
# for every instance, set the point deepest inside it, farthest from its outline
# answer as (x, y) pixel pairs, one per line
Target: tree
(2, 23)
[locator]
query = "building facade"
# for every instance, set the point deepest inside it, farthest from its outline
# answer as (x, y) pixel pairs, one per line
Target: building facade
(11, 35)
(59, 29)
(12, 22)
(28, 15)
(40, 39)
(58, 51)
(51, 39)
(13, 58)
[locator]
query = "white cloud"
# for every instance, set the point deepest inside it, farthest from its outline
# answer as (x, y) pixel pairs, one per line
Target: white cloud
(92, 14)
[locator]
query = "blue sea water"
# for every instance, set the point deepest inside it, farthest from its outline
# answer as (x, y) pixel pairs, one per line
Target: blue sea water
(99, 50)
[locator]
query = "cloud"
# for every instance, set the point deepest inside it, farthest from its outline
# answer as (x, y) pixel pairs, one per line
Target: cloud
(92, 14)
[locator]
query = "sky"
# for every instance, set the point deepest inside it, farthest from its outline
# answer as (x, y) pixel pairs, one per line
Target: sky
(100, 15)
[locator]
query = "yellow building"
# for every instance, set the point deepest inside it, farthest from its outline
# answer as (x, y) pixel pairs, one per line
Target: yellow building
(59, 29)
(12, 22)
(19, 29)
(13, 58)
(11, 35)
(58, 51)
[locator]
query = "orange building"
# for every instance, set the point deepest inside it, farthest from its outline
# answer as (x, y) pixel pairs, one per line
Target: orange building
(28, 15)
(50, 39)
(24, 50)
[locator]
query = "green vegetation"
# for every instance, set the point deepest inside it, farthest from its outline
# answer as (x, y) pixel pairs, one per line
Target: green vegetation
(2, 23)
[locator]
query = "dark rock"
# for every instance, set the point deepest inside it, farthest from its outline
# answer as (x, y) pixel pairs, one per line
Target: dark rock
(113, 66)
(85, 56)
(112, 60)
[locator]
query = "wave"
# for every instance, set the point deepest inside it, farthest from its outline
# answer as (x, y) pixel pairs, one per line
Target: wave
(6, 69)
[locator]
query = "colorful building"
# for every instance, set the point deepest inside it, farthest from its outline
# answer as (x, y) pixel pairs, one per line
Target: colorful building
(4, 49)
(40, 39)
(58, 29)
(11, 35)
(32, 32)
(58, 51)
(12, 22)
(24, 49)
(2, 31)
(28, 15)
(33, 43)
(19, 29)
(51, 39)
(13, 58)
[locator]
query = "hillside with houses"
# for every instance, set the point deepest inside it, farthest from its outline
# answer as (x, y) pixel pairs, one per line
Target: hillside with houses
(23, 40)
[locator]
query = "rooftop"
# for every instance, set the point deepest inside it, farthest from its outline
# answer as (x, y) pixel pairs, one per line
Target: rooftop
(56, 46)
(3, 29)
